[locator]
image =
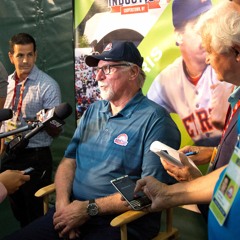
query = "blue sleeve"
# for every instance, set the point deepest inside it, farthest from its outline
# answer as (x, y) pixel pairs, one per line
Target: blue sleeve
(71, 150)
(165, 131)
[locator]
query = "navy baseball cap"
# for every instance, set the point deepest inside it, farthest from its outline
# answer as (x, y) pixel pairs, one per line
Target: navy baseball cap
(185, 10)
(117, 51)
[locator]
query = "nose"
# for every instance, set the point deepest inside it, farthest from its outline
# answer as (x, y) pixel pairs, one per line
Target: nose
(25, 58)
(207, 59)
(100, 76)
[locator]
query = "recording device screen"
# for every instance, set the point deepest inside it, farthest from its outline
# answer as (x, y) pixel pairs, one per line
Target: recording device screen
(126, 187)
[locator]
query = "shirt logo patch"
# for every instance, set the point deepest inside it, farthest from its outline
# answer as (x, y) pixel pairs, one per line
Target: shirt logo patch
(121, 139)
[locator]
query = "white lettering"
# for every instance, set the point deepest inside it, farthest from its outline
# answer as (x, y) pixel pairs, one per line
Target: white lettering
(150, 61)
(126, 2)
(131, 10)
(55, 123)
(156, 53)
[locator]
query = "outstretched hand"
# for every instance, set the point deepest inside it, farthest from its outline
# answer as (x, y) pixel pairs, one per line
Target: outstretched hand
(13, 179)
(203, 155)
(186, 173)
(156, 191)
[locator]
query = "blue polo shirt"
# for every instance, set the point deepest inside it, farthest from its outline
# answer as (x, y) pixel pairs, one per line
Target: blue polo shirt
(106, 147)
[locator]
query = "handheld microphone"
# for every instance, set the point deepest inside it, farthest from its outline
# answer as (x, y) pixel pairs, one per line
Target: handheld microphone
(5, 114)
(19, 130)
(53, 118)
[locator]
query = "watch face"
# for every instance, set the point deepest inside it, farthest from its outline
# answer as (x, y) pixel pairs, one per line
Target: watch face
(92, 209)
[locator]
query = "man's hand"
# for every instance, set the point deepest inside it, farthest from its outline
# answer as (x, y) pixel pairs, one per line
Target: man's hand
(13, 179)
(52, 131)
(68, 219)
(186, 173)
(156, 192)
(203, 155)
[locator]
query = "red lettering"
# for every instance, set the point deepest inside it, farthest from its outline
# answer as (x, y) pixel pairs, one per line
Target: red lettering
(199, 121)
(204, 120)
(190, 126)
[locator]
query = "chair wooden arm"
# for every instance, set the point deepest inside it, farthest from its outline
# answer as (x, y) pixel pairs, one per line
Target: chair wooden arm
(45, 190)
(44, 193)
(126, 217)
(131, 215)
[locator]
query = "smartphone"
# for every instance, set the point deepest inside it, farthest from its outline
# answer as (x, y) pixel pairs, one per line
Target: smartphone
(125, 185)
(27, 171)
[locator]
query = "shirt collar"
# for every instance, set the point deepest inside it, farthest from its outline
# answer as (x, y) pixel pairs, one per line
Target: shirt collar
(234, 97)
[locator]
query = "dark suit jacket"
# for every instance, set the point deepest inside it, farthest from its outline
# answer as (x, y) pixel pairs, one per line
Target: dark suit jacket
(224, 153)
(227, 144)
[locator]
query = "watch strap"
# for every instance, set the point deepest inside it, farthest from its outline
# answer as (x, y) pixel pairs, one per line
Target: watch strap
(92, 208)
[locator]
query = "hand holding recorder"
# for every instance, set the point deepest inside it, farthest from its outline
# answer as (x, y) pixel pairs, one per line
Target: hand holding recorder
(13, 179)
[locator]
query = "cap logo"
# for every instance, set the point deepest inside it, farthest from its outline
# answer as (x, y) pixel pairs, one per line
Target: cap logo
(108, 47)
(121, 139)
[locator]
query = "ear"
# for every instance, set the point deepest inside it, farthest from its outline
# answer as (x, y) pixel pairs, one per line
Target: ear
(134, 72)
(237, 48)
(10, 55)
(36, 54)
(178, 37)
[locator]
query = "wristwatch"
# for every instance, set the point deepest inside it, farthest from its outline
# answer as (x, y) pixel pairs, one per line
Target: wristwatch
(92, 208)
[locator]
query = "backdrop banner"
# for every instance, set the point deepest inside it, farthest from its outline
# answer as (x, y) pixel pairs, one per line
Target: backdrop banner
(147, 23)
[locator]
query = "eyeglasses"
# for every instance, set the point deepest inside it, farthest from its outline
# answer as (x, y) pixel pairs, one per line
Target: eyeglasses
(107, 69)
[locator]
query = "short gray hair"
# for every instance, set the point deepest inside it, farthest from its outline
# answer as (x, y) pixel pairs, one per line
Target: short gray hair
(141, 76)
(220, 27)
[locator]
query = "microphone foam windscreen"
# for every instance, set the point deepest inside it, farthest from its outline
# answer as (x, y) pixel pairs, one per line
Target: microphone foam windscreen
(5, 114)
(63, 110)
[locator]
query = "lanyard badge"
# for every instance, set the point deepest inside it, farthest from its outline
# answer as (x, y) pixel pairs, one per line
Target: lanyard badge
(11, 125)
(227, 190)
(15, 122)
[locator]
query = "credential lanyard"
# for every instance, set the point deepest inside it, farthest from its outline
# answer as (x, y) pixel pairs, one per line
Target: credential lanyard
(19, 106)
(231, 112)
